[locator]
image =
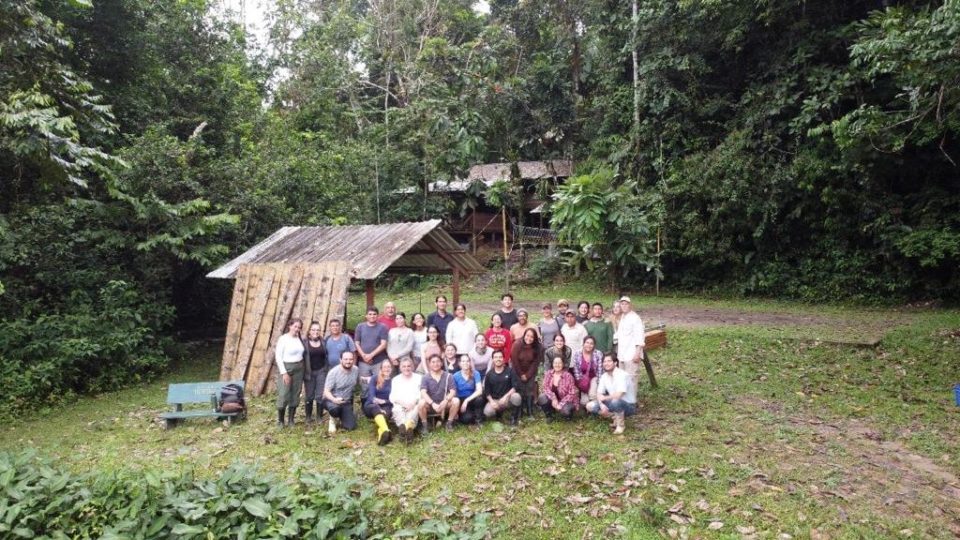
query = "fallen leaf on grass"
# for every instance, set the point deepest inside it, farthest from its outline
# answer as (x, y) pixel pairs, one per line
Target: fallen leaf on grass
(535, 510)
(491, 453)
(679, 519)
(703, 505)
(675, 509)
(715, 525)
(746, 530)
(578, 499)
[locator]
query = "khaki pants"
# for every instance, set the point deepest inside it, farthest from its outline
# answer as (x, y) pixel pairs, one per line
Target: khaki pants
(289, 396)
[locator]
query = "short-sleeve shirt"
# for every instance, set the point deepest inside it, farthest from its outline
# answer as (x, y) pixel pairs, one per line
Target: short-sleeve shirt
(508, 318)
(341, 382)
(574, 336)
(368, 338)
(602, 332)
(466, 387)
(335, 348)
(619, 381)
(548, 331)
(437, 389)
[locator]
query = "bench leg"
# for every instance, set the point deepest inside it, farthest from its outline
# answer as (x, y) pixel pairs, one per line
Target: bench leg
(169, 423)
(649, 367)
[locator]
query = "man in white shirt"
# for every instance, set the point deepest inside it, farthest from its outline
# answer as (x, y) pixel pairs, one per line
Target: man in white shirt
(573, 332)
(630, 338)
(616, 394)
(405, 397)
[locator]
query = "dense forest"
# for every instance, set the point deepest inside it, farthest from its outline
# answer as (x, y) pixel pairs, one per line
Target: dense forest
(803, 149)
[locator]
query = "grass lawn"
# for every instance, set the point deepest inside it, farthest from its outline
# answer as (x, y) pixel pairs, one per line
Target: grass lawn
(755, 431)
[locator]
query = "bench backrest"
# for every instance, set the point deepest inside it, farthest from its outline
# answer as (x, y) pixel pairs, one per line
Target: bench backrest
(196, 392)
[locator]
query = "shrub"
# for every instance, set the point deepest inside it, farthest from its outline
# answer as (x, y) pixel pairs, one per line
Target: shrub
(97, 343)
(38, 499)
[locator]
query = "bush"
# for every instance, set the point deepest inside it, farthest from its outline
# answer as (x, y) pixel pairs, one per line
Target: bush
(98, 343)
(38, 499)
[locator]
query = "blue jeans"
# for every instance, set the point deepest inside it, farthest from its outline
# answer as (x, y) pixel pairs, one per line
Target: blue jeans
(616, 406)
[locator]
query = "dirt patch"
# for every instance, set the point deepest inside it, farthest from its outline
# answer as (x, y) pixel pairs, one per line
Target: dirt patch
(867, 332)
(864, 468)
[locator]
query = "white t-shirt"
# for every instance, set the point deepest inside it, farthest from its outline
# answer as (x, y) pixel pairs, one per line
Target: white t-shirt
(629, 335)
(405, 390)
(574, 336)
(463, 334)
(289, 350)
(618, 381)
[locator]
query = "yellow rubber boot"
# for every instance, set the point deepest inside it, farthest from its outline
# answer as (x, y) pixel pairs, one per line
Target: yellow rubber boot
(382, 429)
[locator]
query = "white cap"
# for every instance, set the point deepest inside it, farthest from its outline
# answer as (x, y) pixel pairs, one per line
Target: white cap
(625, 299)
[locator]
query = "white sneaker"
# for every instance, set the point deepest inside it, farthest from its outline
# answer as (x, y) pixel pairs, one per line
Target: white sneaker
(332, 426)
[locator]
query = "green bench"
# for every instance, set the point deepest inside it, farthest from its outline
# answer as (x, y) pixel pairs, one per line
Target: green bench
(207, 393)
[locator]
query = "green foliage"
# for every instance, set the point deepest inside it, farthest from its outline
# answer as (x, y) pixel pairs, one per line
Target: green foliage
(608, 223)
(99, 342)
(40, 499)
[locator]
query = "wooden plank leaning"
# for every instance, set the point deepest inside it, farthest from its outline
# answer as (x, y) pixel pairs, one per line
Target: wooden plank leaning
(258, 360)
(335, 305)
(234, 324)
(290, 290)
(250, 330)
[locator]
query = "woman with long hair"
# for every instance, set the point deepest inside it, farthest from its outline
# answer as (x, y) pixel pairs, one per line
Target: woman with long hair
(480, 355)
(451, 360)
(376, 402)
(433, 346)
(557, 348)
(418, 323)
(499, 338)
(289, 355)
(527, 354)
(469, 392)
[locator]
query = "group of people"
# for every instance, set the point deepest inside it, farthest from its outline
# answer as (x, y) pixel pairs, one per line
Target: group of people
(442, 370)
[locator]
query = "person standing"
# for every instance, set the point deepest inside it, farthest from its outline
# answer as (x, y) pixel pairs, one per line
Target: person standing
(557, 349)
(316, 355)
(616, 394)
(599, 329)
(583, 311)
(371, 338)
(500, 390)
(480, 355)
(336, 343)
(400, 341)
(376, 402)
(389, 317)
(438, 396)
(549, 325)
(498, 337)
(522, 325)
(508, 315)
(338, 393)
(289, 355)
(418, 323)
(440, 318)
(573, 332)
(461, 331)
(631, 339)
(587, 369)
(526, 355)
(433, 346)
(405, 397)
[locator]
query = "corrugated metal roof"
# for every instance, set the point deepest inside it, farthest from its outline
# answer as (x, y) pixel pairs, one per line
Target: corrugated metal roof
(371, 249)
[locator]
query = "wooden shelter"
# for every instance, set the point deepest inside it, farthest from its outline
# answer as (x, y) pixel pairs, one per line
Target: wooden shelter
(305, 272)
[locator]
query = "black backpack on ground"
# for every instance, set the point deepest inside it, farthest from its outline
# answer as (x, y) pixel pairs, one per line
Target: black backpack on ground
(231, 399)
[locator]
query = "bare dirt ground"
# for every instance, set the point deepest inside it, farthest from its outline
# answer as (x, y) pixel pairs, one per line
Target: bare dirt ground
(842, 330)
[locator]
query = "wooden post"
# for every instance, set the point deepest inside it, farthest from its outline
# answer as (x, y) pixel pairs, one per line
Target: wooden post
(456, 286)
(503, 227)
(370, 295)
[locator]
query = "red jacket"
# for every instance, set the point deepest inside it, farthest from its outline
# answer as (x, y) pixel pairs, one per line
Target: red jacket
(567, 389)
(500, 340)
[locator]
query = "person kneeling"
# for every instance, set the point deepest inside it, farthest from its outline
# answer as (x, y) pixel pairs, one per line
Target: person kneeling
(616, 394)
(438, 396)
(469, 391)
(338, 393)
(376, 402)
(499, 390)
(405, 397)
(559, 393)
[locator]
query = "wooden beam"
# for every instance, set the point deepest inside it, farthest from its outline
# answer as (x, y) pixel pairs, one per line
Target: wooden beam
(415, 270)
(370, 294)
(456, 286)
(442, 253)
(432, 252)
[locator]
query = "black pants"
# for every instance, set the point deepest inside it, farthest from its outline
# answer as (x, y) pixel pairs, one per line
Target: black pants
(566, 410)
(371, 410)
(348, 419)
(474, 412)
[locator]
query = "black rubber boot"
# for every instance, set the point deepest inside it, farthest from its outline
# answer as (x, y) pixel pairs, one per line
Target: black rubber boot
(291, 413)
(280, 422)
(309, 412)
(515, 416)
